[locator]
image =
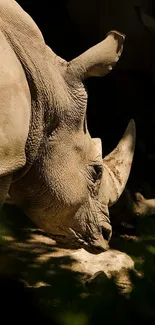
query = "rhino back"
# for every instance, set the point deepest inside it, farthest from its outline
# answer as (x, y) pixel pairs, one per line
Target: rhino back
(14, 109)
(27, 43)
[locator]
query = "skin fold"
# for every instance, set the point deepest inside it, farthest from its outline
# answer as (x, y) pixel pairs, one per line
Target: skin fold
(58, 176)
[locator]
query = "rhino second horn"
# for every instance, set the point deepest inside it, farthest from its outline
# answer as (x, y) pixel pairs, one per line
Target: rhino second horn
(117, 166)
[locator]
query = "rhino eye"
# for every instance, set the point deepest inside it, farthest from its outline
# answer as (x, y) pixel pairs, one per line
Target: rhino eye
(97, 174)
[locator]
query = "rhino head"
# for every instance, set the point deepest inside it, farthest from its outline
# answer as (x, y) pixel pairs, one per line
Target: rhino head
(66, 187)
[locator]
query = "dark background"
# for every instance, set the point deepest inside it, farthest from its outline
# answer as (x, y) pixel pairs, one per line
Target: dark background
(70, 28)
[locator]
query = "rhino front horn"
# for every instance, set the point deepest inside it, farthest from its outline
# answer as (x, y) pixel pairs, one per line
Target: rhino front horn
(117, 166)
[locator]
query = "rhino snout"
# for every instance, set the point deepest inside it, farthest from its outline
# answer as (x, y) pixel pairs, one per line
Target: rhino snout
(101, 241)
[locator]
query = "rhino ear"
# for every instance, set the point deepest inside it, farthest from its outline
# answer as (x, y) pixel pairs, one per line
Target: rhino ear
(100, 59)
(139, 197)
(117, 166)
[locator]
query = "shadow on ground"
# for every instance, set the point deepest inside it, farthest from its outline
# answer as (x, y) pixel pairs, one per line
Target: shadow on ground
(38, 287)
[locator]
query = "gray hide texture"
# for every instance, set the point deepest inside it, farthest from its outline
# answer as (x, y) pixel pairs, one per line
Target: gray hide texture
(51, 166)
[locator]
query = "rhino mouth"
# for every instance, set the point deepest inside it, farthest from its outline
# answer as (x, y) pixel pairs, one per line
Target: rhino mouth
(94, 244)
(100, 242)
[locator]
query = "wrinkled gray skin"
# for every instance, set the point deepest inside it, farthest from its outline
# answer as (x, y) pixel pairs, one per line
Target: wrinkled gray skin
(50, 165)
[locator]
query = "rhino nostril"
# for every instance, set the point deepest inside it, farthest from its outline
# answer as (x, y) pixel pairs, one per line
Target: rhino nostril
(106, 233)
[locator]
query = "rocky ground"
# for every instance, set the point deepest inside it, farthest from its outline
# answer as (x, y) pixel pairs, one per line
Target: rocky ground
(47, 283)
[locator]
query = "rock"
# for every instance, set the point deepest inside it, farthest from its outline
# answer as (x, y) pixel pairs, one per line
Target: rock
(41, 252)
(110, 262)
(59, 285)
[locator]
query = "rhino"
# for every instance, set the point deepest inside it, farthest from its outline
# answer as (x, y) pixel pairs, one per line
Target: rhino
(129, 208)
(50, 166)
